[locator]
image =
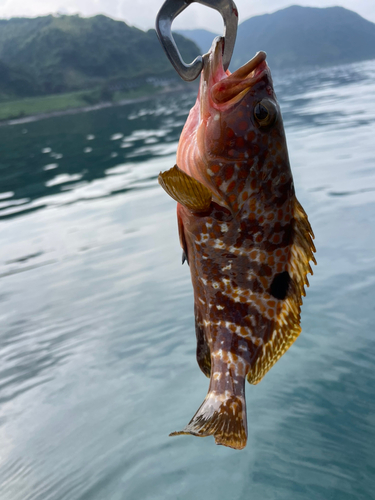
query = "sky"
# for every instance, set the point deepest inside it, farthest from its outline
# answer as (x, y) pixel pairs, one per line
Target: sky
(142, 13)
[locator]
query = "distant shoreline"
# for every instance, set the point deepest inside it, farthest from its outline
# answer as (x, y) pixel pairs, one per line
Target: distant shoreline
(73, 111)
(90, 107)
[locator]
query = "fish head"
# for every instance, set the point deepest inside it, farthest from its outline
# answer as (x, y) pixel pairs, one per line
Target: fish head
(235, 106)
(237, 127)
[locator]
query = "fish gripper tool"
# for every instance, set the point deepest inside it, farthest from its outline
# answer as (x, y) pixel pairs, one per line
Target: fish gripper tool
(171, 9)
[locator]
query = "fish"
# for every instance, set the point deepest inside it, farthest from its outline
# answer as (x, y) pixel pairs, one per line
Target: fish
(244, 234)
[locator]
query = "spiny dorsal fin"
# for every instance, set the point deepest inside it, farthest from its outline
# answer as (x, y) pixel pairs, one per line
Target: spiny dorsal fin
(185, 190)
(287, 325)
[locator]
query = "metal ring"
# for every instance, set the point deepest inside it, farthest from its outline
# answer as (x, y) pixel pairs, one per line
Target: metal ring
(171, 9)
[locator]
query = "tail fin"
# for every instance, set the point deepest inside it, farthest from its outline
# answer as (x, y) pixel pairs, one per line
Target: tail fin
(223, 416)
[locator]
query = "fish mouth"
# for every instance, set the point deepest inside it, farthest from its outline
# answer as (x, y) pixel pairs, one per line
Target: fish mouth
(226, 87)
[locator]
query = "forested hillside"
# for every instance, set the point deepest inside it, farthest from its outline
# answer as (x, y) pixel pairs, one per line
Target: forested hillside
(306, 36)
(55, 54)
(300, 36)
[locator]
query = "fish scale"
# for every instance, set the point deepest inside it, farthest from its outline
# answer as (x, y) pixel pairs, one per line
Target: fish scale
(246, 238)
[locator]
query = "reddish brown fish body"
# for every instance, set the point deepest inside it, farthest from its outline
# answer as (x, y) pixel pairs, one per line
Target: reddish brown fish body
(249, 250)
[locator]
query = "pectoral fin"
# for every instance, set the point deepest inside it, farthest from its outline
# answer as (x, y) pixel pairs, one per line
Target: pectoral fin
(185, 190)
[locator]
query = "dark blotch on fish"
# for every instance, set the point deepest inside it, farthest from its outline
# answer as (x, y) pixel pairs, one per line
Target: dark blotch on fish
(280, 285)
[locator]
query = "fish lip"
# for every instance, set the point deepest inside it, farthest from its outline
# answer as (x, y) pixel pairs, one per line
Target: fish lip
(223, 86)
(213, 70)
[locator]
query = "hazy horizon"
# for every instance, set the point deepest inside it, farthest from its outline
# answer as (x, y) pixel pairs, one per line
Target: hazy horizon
(142, 13)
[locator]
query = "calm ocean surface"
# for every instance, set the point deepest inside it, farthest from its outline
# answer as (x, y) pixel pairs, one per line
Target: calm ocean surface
(97, 342)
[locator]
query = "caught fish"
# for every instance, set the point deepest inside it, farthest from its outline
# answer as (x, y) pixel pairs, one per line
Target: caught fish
(244, 234)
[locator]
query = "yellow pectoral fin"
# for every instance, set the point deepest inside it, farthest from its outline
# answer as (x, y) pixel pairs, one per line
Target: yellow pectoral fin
(185, 190)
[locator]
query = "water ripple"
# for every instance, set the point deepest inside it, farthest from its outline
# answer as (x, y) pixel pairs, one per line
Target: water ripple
(97, 345)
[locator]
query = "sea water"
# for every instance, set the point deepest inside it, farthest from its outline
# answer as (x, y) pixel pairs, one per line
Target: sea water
(97, 342)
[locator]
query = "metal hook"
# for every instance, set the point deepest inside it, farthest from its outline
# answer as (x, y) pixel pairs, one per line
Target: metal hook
(171, 9)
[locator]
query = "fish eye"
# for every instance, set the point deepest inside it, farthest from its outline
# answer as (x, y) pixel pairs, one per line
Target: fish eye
(265, 112)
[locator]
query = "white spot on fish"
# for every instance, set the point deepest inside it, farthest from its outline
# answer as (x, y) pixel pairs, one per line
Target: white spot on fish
(202, 301)
(218, 244)
(217, 117)
(224, 228)
(238, 251)
(218, 354)
(219, 307)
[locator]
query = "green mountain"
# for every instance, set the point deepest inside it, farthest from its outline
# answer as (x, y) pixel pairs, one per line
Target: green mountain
(63, 54)
(300, 36)
(15, 82)
(53, 54)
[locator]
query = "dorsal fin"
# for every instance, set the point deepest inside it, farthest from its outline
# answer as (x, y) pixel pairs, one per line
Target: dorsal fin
(287, 325)
(185, 189)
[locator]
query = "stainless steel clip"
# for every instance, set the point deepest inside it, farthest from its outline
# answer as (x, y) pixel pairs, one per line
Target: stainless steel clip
(171, 9)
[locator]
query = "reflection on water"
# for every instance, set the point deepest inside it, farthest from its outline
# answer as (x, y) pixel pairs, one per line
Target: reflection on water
(57, 152)
(97, 354)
